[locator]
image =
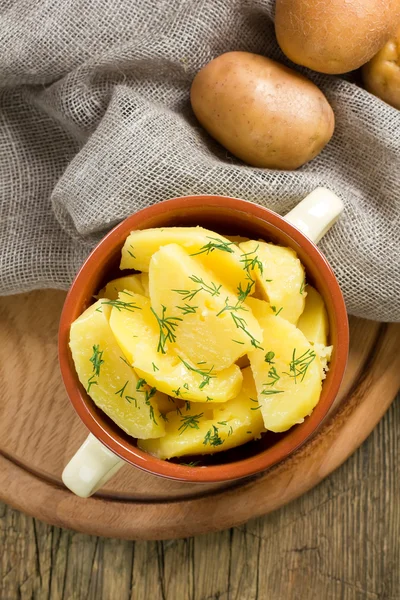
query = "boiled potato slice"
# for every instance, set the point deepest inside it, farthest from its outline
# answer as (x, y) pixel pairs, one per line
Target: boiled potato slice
(132, 283)
(109, 380)
(213, 327)
(237, 239)
(202, 429)
(210, 249)
(259, 308)
(144, 278)
(314, 320)
(280, 277)
(287, 374)
(138, 335)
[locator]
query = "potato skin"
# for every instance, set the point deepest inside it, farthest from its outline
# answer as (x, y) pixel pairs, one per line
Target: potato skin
(334, 36)
(264, 113)
(382, 74)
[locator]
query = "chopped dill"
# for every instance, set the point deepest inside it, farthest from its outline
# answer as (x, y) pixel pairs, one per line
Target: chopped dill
(187, 309)
(212, 438)
(215, 244)
(255, 407)
(167, 327)
(269, 357)
(121, 305)
(122, 390)
(206, 375)
(298, 366)
(125, 361)
(97, 359)
(190, 422)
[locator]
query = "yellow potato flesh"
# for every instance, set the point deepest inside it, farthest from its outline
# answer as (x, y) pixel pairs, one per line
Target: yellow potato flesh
(138, 335)
(314, 320)
(210, 330)
(108, 379)
(202, 429)
(132, 283)
(280, 277)
(285, 400)
(211, 250)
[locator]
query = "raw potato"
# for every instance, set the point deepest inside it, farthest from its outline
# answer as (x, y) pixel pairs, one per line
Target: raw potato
(132, 283)
(314, 320)
(108, 379)
(382, 74)
(210, 429)
(335, 36)
(212, 250)
(261, 111)
(285, 400)
(137, 333)
(280, 280)
(207, 331)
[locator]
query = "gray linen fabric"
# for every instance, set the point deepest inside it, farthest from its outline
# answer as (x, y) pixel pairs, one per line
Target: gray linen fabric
(96, 124)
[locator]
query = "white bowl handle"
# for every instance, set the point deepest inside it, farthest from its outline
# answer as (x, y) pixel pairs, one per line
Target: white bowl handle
(316, 213)
(90, 468)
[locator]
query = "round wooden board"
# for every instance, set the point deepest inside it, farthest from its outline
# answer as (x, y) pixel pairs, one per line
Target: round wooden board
(39, 432)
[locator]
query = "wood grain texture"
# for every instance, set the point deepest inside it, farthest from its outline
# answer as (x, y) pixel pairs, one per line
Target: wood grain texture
(338, 542)
(39, 431)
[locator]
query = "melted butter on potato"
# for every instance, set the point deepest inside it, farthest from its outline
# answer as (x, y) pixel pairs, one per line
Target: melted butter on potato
(264, 113)
(200, 429)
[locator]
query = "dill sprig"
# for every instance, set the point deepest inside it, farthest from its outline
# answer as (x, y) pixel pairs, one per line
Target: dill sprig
(120, 392)
(187, 309)
(249, 264)
(273, 375)
(269, 357)
(213, 289)
(271, 392)
(206, 374)
(96, 359)
(228, 307)
(242, 324)
(212, 437)
(121, 305)
(125, 361)
(255, 407)
(140, 383)
(130, 251)
(149, 394)
(190, 422)
(131, 399)
(215, 244)
(298, 366)
(190, 464)
(243, 293)
(155, 368)
(276, 311)
(91, 382)
(167, 327)
(303, 285)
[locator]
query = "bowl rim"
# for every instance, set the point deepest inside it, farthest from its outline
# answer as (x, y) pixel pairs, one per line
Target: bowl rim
(213, 473)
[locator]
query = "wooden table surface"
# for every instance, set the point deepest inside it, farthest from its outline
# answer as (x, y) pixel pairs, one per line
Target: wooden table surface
(339, 541)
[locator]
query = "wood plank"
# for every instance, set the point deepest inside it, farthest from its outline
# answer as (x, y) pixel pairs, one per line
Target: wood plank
(338, 541)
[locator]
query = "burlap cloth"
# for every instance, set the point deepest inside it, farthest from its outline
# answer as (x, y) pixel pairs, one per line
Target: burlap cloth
(96, 124)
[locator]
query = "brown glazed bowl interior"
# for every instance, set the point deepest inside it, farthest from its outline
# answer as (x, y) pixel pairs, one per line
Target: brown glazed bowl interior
(226, 216)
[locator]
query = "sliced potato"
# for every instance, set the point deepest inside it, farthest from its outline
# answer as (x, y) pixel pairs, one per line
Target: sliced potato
(209, 328)
(280, 277)
(132, 283)
(203, 429)
(144, 278)
(138, 335)
(109, 380)
(314, 320)
(287, 374)
(210, 249)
